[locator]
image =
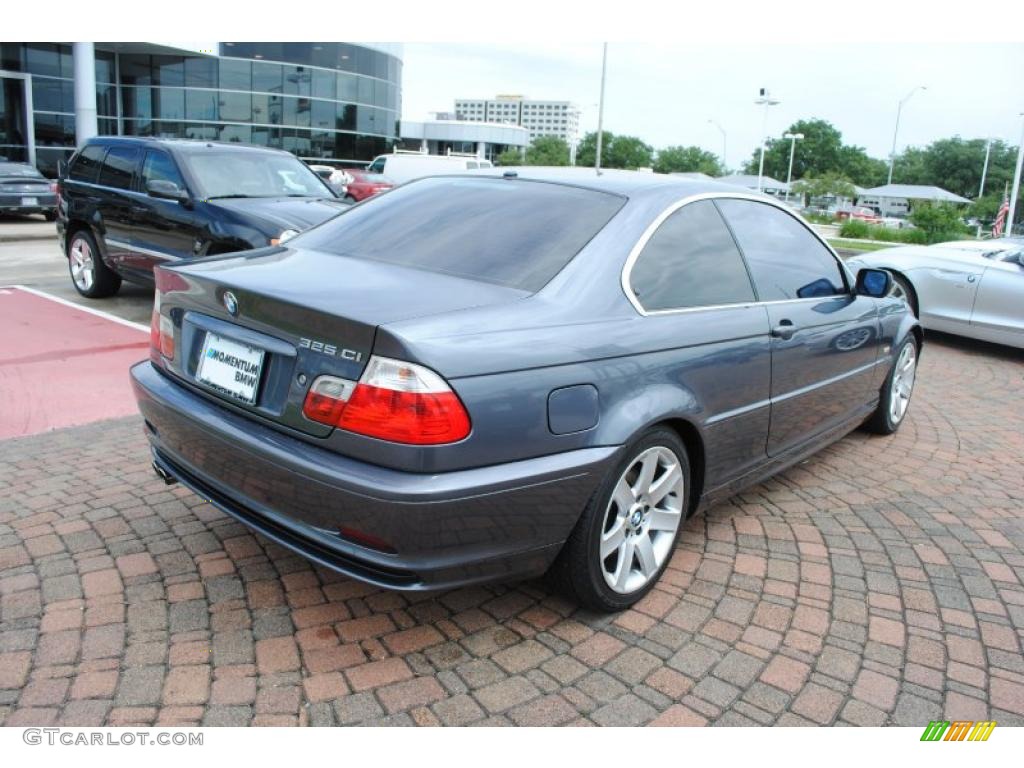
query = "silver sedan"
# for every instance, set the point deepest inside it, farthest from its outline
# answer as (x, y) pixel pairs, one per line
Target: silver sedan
(969, 288)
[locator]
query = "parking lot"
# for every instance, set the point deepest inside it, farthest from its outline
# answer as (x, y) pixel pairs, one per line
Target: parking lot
(880, 582)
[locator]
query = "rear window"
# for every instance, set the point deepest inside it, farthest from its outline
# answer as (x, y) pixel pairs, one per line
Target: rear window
(19, 170)
(513, 233)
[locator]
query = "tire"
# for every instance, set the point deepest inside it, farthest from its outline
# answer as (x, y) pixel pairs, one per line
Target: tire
(89, 274)
(623, 510)
(894, 399)
(50, 215)
(902, 286)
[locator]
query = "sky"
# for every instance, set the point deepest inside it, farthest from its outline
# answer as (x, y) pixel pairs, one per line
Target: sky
(667, 93)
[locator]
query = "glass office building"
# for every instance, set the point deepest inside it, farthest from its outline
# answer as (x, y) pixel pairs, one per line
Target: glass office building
(335, 102)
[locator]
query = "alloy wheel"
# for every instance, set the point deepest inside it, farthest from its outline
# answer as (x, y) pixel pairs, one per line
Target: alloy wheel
(641, 520)
(83, 268)
(902, 383)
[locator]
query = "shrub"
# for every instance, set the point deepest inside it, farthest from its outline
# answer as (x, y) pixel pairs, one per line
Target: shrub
(853, 228)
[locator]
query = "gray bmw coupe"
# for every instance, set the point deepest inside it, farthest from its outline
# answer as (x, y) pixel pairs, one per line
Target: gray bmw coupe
(491, 376)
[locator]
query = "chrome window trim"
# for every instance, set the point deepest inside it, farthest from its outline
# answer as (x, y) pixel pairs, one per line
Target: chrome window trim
(653, 227)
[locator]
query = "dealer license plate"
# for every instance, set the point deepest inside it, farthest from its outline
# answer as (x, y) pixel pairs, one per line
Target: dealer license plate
(231, 367)
(30, 201)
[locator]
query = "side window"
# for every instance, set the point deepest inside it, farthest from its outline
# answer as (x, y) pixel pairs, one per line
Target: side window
(377, 166)
(119, 167)
(159, 166)
(690, 261)
(472, 165)
(86, 164)
(785, 259)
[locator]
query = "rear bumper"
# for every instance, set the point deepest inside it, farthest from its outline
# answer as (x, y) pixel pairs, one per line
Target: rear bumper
(447, 530)
(14, 203)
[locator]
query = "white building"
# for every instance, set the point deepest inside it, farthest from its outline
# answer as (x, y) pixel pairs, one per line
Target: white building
(898, 199)
(442, 137)
(539, 118)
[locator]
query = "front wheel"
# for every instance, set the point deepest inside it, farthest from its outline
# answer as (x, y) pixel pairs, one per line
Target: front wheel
(625, 537)
(894, 398)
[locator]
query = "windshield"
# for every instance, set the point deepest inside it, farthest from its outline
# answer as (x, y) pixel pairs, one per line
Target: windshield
(513, 233)
(235, 173)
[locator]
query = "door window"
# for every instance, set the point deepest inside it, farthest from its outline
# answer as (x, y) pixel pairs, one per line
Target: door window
(119, 167)
(86, 164)
(159, 166)
(690, 261)
(786, 260)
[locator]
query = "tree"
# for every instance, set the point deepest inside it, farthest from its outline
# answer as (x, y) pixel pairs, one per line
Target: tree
(548, 150)
(510, 157)
(616, 151)
(820, 151)
(938, 221)
(955, 164)
(679, 159)
(827, 185)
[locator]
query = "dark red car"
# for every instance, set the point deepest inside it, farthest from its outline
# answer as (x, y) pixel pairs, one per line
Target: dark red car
(365, 184)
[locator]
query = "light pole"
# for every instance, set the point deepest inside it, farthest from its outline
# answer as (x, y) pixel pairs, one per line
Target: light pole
(765, 100)
(600, 109)
(725, 163)
(793, 139)
(896, 130)
(984, 168)
(1016, 181)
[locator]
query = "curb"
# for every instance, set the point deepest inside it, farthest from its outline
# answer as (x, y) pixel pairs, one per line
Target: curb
(25, 238)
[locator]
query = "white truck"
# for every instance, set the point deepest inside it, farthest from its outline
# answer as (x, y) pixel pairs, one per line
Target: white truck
(401, 167)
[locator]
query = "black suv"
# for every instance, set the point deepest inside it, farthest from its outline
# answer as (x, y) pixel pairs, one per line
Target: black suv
(128, 204)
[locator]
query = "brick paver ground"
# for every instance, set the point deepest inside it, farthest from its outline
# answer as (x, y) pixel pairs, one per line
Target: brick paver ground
(878, 583)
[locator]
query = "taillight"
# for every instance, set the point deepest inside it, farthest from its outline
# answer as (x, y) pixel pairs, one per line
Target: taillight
(161, 332)
(393, 400)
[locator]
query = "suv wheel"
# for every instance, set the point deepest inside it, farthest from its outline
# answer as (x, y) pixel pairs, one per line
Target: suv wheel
(626, 536)
(92, 278)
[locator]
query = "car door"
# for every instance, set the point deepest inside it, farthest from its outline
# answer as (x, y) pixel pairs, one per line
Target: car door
(114, 202)
(824, 337)
(947, 286)
(998, 313)
(165, 230)
(690, 282)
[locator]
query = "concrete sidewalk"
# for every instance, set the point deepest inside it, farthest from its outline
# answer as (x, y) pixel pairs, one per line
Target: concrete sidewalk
(20, 228)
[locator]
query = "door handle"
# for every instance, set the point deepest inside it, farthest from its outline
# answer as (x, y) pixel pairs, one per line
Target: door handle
(784, 330)
(139, 209)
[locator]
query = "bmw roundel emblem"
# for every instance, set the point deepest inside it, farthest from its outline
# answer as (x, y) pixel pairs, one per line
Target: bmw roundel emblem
(230, 303)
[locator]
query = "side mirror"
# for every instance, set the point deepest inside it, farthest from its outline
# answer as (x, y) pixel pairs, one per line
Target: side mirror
(874, 282)
(166, 190)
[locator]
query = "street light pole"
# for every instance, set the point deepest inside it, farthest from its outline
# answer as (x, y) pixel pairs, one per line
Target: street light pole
(766, 101)
(896, 130)
(1016, 182)
(793, 138)
(600, 109)
(984, 168)
(725, 163)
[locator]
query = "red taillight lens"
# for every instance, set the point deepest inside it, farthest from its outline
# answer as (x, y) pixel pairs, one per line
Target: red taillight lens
(161, 332)
(393, 400)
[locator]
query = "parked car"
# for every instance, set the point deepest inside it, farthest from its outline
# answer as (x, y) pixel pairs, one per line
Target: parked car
(365, 184)
(128, 204)
(859, 214)
(337, 178)
(406, 166)
(24, 190)
(563, 368)
(968, 288)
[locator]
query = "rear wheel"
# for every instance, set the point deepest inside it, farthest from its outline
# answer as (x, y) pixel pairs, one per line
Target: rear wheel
(50, 215)
(91, 277)
(894, 399)
(627, 534)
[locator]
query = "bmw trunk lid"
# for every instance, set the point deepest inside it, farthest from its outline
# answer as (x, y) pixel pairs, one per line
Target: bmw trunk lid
(253, 330)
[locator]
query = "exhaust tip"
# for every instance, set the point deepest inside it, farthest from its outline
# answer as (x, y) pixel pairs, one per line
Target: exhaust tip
(164, 475)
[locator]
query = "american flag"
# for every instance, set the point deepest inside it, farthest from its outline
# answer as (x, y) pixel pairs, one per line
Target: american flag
(1004, 209)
